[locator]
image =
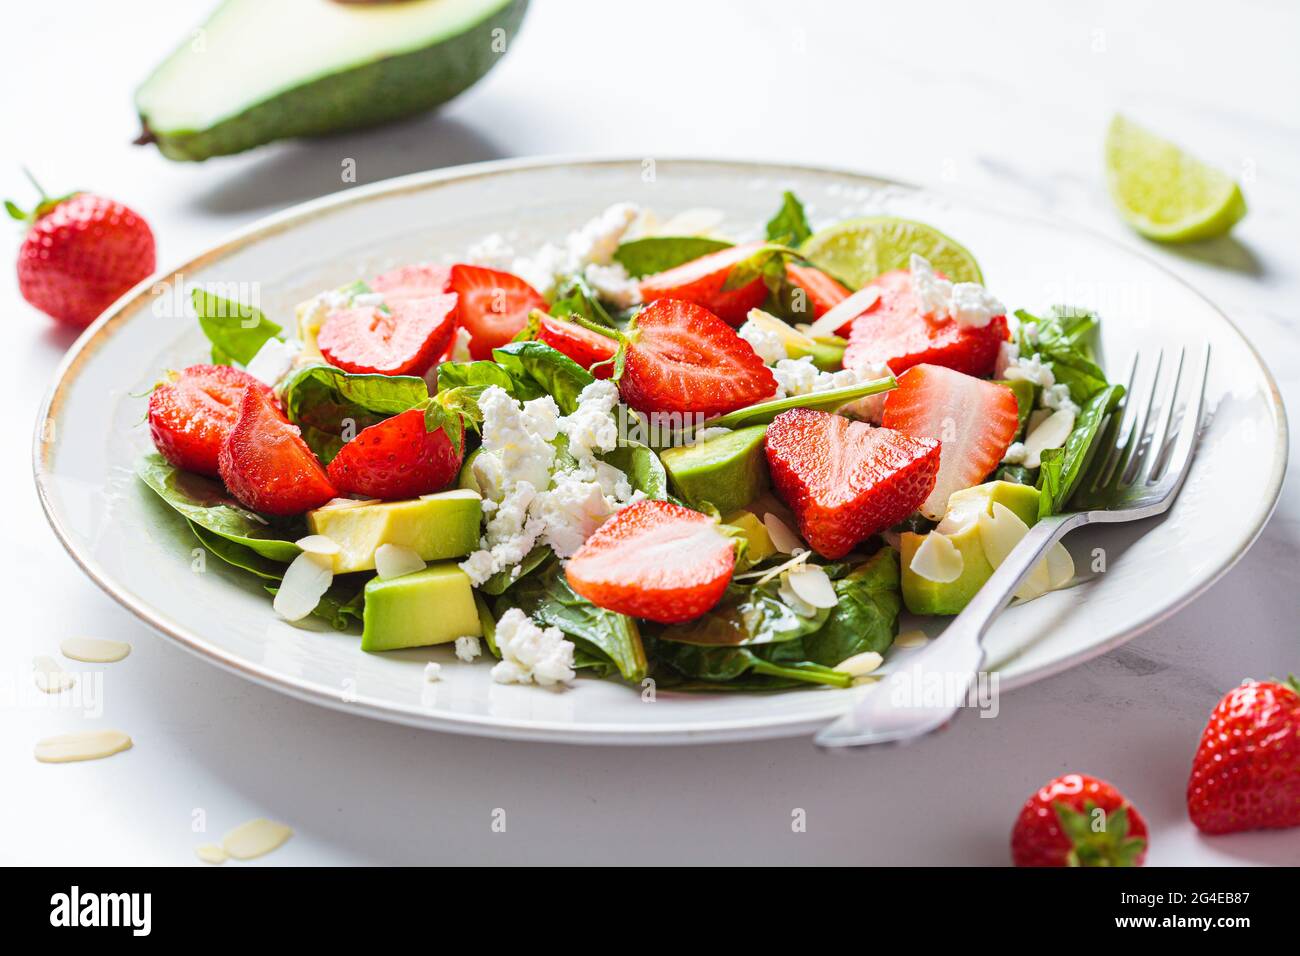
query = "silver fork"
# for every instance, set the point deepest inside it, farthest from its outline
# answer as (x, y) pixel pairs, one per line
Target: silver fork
(1137, 471)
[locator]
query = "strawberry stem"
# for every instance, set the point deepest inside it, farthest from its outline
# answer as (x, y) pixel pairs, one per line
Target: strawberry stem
(40, 190)
(829, 400)
(599, 329)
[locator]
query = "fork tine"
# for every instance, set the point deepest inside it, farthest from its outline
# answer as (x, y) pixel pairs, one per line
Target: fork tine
(1123, 425)
(1155, 451)
(1139, 447)
(1189, 431)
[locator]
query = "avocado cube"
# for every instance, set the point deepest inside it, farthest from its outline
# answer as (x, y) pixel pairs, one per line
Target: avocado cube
(727, 472)
(438, 526)
(759, 542)
(433, 606)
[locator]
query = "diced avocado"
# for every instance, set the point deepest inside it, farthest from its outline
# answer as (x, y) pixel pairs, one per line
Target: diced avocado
(960, 524)
(728, 471)
(445, 525)
(1024, 391)
(760, 545)
(466, 480)
(433, 606)
(258, 71)
(827, 352)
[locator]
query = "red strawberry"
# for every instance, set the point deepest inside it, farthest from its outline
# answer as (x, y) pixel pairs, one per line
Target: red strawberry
(403, 340)
(494, 306)
(896, 332)
(412, 282)
(191, 415)
(681, 358)
(822, 290)
(846, 480)
(656, 560)
(81, 253)
(585, 347)
(975, 421)
(1246, 773)
(1077, 820)
(266, 464)
(701, 281)
(396, 458)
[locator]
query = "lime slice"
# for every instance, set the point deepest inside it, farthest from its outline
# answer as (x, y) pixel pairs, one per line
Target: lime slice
(857, 250)
(1165, 194)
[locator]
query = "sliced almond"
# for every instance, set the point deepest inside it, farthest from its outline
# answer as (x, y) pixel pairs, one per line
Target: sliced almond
(1060, 566)
(395, 560)
(87, 745)
(839, 314)
(937, 559)
(255, 838)
(1051, 433)
(319, 544)
(912, 638)
(306, 580)
(210, 853)
(94, 650)
(813, 586)
(50, 677)
(860, 665)
(1000, 532)
(783, 539)
(792, 600)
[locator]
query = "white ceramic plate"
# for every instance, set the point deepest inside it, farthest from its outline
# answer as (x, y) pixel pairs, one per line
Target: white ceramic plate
(90, 432)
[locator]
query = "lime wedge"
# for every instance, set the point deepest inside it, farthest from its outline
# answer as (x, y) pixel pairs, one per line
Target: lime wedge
(857, 250)
(1162, 192)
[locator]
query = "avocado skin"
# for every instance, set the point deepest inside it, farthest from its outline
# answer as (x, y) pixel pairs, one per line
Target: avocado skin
(377, 92)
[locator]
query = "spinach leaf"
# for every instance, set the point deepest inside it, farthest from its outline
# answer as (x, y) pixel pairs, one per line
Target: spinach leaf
(866, 617)
(575, 296)
(763, 412)
(477, 376)
(488, 623)
(1061, 468)
(548, 599)
(342, 605)
(238, 555)
(727, 665)
(643, 468)
(206, 503)
(503, 580)
(1017, 474)
(789, 226)
(1064, 339)
(236, 331)
(327, 403)
(1025, 392)
(558, 375)
(746, 615)
(643, 257)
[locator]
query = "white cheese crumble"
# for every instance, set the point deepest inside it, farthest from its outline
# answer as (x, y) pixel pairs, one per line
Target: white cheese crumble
(530, 653)
(1015, 454)
(801, 377)
(273, 361)
(592, 245)
(968, 304)
(1030, 369)
(468, 648)
(1057, 397)
(765, 342)
(613, 284)
(432, 671)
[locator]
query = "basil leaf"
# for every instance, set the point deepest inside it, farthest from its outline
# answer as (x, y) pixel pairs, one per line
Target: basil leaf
(789, 226)
(205, 502)
(236, 331)
(643, 257)
(1061, 468)
(554, 372)
(866, 617)
(330, 405)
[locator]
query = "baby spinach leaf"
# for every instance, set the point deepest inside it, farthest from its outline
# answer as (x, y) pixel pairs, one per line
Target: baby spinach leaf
(763, 412)
(866, 617)
(746, 615)
(238, 555)
(643, 257)
(1061, 468)
(645, 472)
(731, 664)
(205, 502)
(1016, 474)
(575, 296)
(502, 581)
(329, 404)
(558, 375)
(1063, 338)
(236, 331)
(342, 605)
(789, 226)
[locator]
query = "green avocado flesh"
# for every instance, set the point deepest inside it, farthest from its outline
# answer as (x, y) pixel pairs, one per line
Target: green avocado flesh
(727, 472)
(433, 606)
(259, 71)
(445, 525)
(923, 596)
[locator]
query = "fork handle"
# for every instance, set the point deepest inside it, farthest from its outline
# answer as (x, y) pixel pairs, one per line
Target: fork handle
(936, 683)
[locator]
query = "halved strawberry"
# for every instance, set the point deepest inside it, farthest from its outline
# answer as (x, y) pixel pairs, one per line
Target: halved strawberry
(896, 331)
(975, 420)
(822, 290)
(412, 282)
(266, 464)
(846, 480)
(396, 458)
(585, 347)
(191, 415)
(494, 306)
(701, 281)
(403, 339)
(656, 560)
(681, 358)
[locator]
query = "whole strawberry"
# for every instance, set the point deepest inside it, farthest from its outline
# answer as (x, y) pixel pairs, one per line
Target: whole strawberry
(1246, 773)
(1077, 820)
(80, 254)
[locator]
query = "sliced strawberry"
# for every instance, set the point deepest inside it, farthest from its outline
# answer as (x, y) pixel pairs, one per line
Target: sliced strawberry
(656, 560)
(403, 339)
(396, 458)
(681, 358)
(846, 480)
(191, 416)
(412, 282)
(975, 420)
(585, 347)
(494, 306)
(266, 464)
(895, 331)
(701, 281)
(822, 290)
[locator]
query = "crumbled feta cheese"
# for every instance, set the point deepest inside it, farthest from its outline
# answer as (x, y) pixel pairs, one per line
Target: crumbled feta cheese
(468, 648)
(1015, 454)
(592, 245)
(432, 671)
(1057, 397)
(460, 346)
(368, 300)
(613, 284)
(273, 361)
(765, 342)
(801, 377)
(968, 304)
(491, 252)
(591, 428)
(1030, 369)
(932, 292)
(713, 431)
(530, 653)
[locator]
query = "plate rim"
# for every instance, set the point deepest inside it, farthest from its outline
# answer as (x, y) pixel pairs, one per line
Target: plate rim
(769, 727)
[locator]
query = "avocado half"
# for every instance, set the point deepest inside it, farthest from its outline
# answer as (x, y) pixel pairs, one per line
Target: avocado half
(259, 71)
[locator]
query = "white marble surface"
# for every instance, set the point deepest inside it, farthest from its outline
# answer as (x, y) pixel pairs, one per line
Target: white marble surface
(1007, 101)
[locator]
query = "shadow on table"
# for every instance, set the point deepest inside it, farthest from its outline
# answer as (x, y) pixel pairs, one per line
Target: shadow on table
(1224, 253)
(281, 174)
